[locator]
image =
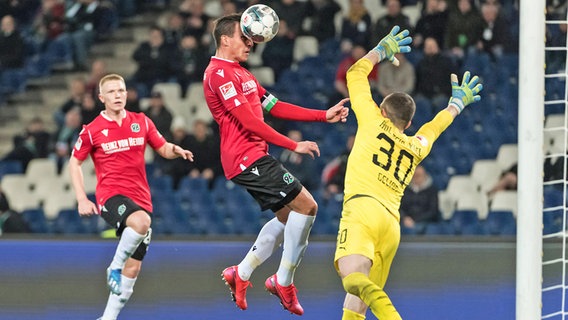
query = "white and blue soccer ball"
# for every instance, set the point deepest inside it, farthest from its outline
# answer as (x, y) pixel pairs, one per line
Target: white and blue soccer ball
(259, 23)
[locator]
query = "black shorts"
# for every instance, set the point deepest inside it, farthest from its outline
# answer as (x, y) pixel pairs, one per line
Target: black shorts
(115, 211)
(270, 184)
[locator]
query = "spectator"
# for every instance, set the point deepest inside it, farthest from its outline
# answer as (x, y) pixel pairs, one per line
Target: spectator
(97, 72)
(191, 59)
(86, 22)
(419, 204)
(393, 78)
(432, 74)
(293, 12)
(159, 114)
(64, 139)
(154, 59)
(333, 175)
(301, 167)
(32, 143)
(208, 166)
(178, 169)
(175, 29)
(393, 17)
(322, 18)
(507, 181)
(11, 45)
(340, 82)
(355, 26)
(464, 29)
(432, 23)
(89, 108)
(196, 20)
(77, 89)
(495, 38)
(48, 23)
(132, 100)
(278, 53)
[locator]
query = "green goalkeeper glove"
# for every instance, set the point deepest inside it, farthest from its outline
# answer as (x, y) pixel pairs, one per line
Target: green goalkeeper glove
(393, 43)
(466, 93)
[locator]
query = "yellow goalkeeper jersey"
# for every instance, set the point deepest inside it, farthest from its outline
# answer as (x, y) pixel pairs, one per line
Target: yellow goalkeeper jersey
(383, 158)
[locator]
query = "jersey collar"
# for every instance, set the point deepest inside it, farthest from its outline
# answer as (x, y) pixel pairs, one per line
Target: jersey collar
(104, 115)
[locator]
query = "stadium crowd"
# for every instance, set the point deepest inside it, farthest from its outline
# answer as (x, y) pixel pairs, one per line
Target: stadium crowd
(38, 37)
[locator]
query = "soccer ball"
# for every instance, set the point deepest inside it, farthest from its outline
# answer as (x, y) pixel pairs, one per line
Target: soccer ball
(259, 23)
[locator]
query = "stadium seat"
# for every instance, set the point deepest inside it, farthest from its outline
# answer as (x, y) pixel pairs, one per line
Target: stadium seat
(13, 81)
(36, 220)
(504, 201)
(465, 222)
(162, 183)
(457, 185)
(10, 167)
(438, 228)
(485, 173)
(46, 186)
(555, 121)
(57, 202)
(476, 201)
(500, 222)
(68, 221)
(265, 75)
(507, 156)
(41, 167)
(553, 221)
(195, 105)
(193, 185)
(18, 191)
(305, 46)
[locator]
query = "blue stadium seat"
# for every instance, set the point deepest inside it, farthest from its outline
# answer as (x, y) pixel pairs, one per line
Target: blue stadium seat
(68, 222)
(500, 223)
(552, 221)
(37, 66)
(163, 183)
(36, 220)
(193, 185)
(439, 228)
(465, 222)
(13, 81)
(10, 167)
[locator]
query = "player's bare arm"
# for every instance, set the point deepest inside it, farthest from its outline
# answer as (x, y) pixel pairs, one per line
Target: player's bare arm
(172, 151)
(338, 112)
(85, 206)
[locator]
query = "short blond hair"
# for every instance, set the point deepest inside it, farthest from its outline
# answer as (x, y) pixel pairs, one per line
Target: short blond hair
(110, 77)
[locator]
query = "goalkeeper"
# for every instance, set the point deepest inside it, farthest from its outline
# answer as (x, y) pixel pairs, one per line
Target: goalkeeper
(379, 168)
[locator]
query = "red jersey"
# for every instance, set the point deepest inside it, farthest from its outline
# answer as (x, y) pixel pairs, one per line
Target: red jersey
(118, 155)
(227, 85)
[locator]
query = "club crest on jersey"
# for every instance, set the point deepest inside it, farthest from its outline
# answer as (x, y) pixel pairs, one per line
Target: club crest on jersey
(121, 209)
(135, 127)
(228, 90)
(288, 178)
(78, 144)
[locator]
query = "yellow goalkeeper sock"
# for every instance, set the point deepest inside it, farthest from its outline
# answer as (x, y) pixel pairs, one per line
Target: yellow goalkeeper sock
(352, 315)
(361, 286)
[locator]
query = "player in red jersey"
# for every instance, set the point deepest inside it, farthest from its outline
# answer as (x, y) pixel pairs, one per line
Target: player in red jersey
(116, 140)
(237, 101)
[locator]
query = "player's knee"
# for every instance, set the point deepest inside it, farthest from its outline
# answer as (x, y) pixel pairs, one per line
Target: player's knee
(139, 221)
(351, 284)
(312, 208)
